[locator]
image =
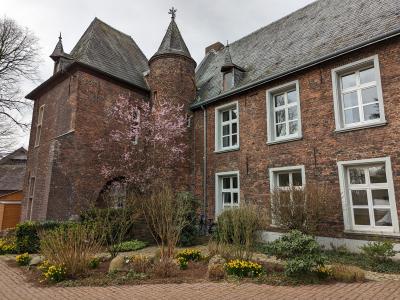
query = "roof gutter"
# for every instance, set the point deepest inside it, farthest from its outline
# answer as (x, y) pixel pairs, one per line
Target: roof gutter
(335, 54)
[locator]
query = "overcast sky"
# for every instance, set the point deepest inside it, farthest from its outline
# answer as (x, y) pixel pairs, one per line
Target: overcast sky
(201, 22)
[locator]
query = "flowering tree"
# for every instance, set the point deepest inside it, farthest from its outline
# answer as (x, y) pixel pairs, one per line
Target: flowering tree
(151, 142)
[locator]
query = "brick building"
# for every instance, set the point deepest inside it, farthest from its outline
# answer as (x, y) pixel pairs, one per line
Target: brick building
(312, 97)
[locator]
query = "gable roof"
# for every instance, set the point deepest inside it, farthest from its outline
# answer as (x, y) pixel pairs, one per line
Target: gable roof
(12, 170)
(173, 42)
(111, 51)
(315, 32)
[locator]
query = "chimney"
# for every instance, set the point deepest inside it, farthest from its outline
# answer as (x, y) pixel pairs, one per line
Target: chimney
(216, 47)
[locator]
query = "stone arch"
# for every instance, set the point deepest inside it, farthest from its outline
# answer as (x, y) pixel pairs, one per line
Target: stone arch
(113, 193)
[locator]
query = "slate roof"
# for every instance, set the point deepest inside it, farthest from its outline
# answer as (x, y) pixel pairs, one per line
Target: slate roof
(12, 170)
(112, 52)
(173, 42)
(312, 33)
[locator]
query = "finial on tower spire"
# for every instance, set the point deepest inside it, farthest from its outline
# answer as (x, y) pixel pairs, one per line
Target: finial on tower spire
(60, 37)
(172, 12)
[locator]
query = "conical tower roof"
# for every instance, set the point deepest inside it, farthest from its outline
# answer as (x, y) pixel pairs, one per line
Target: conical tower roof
(58, 50)
(173, 42)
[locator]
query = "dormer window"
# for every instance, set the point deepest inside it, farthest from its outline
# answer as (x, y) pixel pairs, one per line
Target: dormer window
(229, 81)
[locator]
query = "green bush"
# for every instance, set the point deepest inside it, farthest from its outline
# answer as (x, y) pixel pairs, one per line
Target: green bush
(26, 234)
(23, 259)
(131, 246)
(182, 262)
(293, 244)
(378, 251)
(191, 231)
(302, 252)
(7, 246)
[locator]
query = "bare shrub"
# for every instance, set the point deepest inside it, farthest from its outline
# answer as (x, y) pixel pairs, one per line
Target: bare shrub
(71, 246)
(166, 213)
(140, 263)
(346, 273)
(303, 209)
(166, 267)
(113, 220)
(237, 231)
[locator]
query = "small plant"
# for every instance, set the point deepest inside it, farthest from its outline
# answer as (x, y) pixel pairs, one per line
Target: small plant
(165, 268)
(216, 272)
(140, 263)
(7, 246)
(94, 263)
(23, 259)
(243, 268)
(182, 262)
(55, 273)
(189, 254)
(131, 246)
(345, 273)
(44, 266)
(379, 251)
(323, 272)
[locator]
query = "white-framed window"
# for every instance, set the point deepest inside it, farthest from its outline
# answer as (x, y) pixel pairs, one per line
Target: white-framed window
(283, 113)
(228, 80)
(227, 127)
(31, 193)
(357, 93)
(368, 199)
(227, 191)
(39, 126)
(287, 177)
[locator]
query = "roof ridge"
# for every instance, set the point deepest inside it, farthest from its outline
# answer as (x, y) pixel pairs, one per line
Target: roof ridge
(113, 28)
(276, 21)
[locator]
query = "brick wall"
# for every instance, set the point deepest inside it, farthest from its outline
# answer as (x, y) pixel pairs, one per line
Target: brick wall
(319, 149)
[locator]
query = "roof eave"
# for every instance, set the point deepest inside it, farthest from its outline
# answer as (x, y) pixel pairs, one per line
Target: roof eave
(262, 81)
(37, 91)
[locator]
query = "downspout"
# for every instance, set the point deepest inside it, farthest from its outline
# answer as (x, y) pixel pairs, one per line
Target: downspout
(205, 219)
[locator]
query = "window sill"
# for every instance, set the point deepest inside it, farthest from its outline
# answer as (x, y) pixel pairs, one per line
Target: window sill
(297, 138)
(227, 150)
(359, 127)
(376, 233)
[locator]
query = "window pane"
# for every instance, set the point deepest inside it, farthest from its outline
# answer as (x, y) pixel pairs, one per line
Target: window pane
(280, 116)
(371, 112)
(280, 130)
(350, 99)
(377, 174)
(367, 75)
(382, 217)
(292, 112)
(234, 127)
(225, 130)
(292, 96)
(228, 80)
(359, 197)
(357, 176)
(226, 182)
(348, 81)
(226, 197)
(234, 113)
(297, 180)
(279, 100)
(235, 198)
(234, 140)
(380, 197)
(225, 116)
(225, 141)
(283, 179)
(351, 115)
(369, 95)
(361, 216)
(234, 182)
(293, 127)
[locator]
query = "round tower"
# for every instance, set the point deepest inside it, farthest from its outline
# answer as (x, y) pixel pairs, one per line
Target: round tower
(172, 69)
(172, 79)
